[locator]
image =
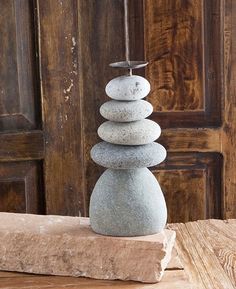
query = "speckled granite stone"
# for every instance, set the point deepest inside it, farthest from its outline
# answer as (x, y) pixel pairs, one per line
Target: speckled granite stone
(66, 246)
(125, 111)
(128, 87)
(131, 133)
(127, 203)
(127, 157)
(127, 199)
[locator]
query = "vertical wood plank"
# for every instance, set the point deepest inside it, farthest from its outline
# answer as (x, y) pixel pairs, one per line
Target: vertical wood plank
(174, 49)
(222, 237)
(101, 41)
(61, 106)
(229, 126)
(19, 95)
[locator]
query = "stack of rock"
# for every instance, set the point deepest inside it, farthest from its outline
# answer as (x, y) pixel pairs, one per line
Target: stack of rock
(127, 199)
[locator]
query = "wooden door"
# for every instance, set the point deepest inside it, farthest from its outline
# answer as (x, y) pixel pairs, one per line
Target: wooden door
(186, 42)
(53, 73)
(21, 140)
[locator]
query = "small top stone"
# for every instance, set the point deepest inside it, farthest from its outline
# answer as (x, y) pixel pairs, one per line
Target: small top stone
(128, 87)
(125, 111)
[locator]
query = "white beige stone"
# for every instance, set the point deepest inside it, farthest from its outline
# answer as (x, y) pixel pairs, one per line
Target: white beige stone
(126, 111)
(55, 245)
(129, 133)
(128, 87)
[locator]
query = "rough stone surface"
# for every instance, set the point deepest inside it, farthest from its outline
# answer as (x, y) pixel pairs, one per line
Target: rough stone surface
(128, 87)
(127, 203)
(133, 133)
(55, 245)
(125, 111)
(127, 157)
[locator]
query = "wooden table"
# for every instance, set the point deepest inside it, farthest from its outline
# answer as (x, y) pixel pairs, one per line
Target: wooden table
(206, 249)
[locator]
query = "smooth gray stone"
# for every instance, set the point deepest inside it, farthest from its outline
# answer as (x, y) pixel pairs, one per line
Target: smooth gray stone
(127, 203)
(125, 111)
(129, 133)
(128, 87)
(128, 157)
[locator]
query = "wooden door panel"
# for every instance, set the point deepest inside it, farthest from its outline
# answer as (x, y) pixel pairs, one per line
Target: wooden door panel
(22, 146)
(184, 191)
(183, 47)
(62, 107)
(17, 66)
(21, 187)
(183, 44)
(193, 93)
(75, 70)
(192, 185)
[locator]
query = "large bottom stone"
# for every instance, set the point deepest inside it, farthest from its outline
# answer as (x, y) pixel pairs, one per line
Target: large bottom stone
(55, 245)
(127, 203)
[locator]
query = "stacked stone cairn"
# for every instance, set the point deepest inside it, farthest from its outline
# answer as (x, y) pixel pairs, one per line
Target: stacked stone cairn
(127, 199)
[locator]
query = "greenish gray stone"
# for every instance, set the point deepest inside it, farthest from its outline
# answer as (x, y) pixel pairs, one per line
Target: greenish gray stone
(127, 203)
(125, 111)
(131, 133)
(128, 157)
(128, 87)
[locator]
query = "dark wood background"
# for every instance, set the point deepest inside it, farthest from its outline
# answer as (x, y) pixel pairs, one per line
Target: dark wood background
(53, 71)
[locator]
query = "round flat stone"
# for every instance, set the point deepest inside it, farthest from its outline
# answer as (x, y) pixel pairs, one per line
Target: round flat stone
(128, 87)
(127, 157)
(129, 133)
(125, 111)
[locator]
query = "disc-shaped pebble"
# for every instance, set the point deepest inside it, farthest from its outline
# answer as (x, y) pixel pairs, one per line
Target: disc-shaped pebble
(125, 111)
(128, 157)
(129, 133)
(128, 87)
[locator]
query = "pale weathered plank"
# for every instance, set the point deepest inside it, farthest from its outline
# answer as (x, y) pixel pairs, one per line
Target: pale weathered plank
(229, 124)
(207, 260)
(186, 252)
(222, 238)
(175, 279)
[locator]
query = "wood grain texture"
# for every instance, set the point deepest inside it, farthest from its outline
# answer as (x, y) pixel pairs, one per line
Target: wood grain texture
(18, 93)
(102, 45)
(175, 279)
(206, 249)
(61, 105)
(182, 45)
(21, 184)
(21, 188)
(229, 126)
(185, 193)
(222, 238)
(192, 140)
(22, 146)
(183, 40)
(198, 246)
(207, 125)
(191, 183)
(174, 48)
